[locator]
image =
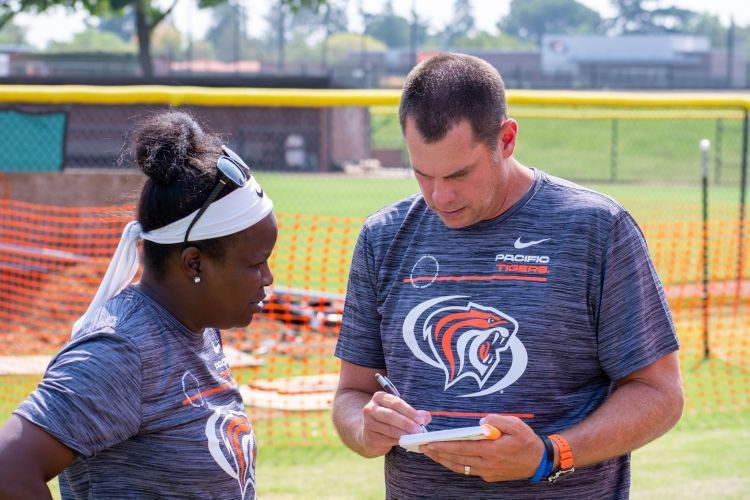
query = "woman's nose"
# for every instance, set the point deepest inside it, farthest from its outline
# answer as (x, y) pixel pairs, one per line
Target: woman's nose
(267, 275)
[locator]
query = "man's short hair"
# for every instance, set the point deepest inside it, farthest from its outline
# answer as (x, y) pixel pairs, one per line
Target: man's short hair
(447, 88)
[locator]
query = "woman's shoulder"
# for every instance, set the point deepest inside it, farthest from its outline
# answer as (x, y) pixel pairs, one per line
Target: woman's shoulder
(120, 314)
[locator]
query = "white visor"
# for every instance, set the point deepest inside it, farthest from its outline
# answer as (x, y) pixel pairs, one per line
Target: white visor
(240, 209)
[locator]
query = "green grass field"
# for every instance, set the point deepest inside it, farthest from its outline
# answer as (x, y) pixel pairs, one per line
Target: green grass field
(356, 197)
(664, 150)
(704, 456)
(697, 459)
(691, 461)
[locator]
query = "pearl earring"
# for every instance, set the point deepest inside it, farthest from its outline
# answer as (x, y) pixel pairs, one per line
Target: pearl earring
(197, 279)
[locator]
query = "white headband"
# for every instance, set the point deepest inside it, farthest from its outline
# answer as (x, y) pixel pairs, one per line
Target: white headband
(240, 209)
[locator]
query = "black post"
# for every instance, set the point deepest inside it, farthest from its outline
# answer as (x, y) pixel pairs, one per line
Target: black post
(324, 48)
(704, 145)
(236, 12)
(717, 151)
(413, 35)
(190, 40)
(280, 39)
(613, 151)
(730, 53)
(741, 222)
(363, 65)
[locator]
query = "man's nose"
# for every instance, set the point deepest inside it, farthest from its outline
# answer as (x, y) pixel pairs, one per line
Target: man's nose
(443, 193)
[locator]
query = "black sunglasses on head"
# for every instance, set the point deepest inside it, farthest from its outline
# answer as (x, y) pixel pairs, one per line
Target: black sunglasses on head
(231, 169)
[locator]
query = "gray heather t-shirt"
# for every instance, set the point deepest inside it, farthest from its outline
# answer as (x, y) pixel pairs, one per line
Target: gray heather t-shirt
(534, 313)
(149, 407)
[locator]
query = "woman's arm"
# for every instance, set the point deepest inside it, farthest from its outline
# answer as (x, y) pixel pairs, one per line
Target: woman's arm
(29, 458)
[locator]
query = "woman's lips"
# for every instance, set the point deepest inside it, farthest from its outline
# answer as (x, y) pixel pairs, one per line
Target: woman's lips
(257, 306)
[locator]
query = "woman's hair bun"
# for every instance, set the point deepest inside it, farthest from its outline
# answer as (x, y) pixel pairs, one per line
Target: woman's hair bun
(164, 144)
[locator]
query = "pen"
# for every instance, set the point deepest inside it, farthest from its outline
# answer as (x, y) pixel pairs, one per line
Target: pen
(388, 387)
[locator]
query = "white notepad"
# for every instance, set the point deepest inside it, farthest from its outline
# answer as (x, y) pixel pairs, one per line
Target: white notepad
(412, 442)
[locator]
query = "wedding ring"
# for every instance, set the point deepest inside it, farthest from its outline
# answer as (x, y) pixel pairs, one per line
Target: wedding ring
(467, 470)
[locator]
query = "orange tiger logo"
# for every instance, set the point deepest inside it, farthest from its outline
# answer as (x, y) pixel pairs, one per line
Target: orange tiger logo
(466, 340)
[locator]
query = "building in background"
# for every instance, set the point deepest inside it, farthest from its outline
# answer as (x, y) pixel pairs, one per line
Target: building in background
(561, 62)
(641, 61)
(575, 61)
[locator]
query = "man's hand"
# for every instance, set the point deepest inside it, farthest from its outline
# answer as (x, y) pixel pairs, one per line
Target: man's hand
(369, 420)
(515, 455)
(386, 418)
(646, 404)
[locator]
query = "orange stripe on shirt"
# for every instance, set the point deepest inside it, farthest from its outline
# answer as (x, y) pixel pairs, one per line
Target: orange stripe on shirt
(479, 415)
(509, 277)
(224, 387)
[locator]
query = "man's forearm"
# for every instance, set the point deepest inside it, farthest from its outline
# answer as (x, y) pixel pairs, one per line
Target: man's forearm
(347, 418)
(636, 413)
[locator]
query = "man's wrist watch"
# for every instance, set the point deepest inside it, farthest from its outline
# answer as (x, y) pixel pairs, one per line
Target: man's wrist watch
(566, 458)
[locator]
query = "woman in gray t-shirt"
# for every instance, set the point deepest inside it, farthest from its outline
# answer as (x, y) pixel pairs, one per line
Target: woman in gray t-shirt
(141, 402)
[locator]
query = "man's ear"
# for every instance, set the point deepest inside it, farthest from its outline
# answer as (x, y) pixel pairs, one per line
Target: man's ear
(190, 262)
(506, 142)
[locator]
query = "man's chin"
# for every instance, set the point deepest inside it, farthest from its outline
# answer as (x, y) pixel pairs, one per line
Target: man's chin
(455, 223)
(454, 220)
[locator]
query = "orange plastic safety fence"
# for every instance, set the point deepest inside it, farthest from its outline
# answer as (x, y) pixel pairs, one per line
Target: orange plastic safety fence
(52, 259)
(712, 315)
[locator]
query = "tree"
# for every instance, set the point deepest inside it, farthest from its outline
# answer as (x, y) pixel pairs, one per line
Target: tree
(533, 18)
(121, 24)
(92, 40)
(341, 46)
(484, 40)
(12, 34)
(279, 20)
(633, 17)
(148, 14)
(392, 29)
(147, 18)
(707, 25)
(227, 33)
(462, 23)
(167, 42)
(199, 50)
(299, 33)
(334, 21)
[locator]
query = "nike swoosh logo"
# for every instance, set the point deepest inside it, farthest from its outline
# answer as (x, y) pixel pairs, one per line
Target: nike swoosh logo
(521, 245)
(259, 192)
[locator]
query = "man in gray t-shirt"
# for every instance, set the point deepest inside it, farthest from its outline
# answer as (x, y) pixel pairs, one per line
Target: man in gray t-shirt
(501, 294)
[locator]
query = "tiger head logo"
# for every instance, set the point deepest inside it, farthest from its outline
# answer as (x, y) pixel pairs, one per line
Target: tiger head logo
(466, 340)
(230, 436)
(231, 441)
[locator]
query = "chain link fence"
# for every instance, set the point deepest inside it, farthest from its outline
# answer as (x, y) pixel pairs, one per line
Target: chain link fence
(327, 166)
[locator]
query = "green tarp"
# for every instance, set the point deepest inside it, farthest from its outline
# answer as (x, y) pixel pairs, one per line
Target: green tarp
(31, 142)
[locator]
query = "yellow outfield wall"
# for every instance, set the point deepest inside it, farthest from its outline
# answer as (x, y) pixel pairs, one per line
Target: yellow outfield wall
(205, 96)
